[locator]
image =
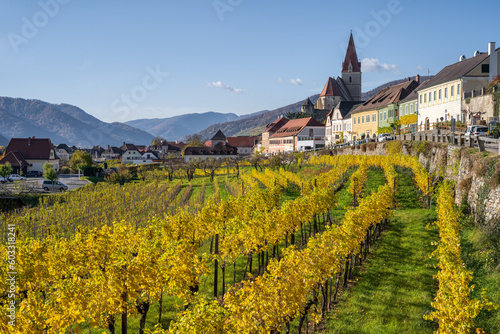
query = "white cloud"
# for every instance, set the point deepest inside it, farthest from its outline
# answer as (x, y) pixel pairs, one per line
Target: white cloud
(218, 84)
(281, 81)
(296, 82)
(374, 65)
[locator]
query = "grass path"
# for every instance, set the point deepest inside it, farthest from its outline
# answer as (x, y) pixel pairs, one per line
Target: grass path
(395, 287)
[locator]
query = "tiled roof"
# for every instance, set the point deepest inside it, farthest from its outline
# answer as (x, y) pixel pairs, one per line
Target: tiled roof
(64, 147)
(307, 103)
(128, 147)
(219, 136)
(219, 149)
(276, 125)
(412, 96)
(294, 126)
(351, 57)
(344, 107)
(242, 141)
(15, 159)
(113, 150)
(330, 88)
(454, 71)
(389, 95)
(31, 148)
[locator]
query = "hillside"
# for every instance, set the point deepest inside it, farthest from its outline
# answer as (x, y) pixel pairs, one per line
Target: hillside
(254, 125)
(63, 123)
(177, 127)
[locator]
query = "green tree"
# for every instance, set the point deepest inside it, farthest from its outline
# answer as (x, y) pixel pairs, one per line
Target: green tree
(81, 160)
(5, 170)
(50, 173)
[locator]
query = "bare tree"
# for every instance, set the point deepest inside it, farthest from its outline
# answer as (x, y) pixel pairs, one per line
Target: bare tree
(211, 164)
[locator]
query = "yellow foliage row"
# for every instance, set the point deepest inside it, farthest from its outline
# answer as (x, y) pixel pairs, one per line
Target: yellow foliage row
(455, 310)
(281, 294)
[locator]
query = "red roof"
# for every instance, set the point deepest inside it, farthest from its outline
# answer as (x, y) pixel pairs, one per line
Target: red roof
(15, 159)
(330, 88)
(276, 125)
(30, 148)
(294, 126)
(242, 141)
(351, 58)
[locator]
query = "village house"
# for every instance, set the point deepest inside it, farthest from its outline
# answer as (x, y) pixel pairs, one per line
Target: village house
(270, 130)
(298, 135)
(338, 127)
(111, 153)
(445, 95)
(30, 154)
(130, 153)
(64, 152)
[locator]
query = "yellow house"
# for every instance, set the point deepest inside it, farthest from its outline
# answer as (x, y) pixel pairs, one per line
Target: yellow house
(364, 123)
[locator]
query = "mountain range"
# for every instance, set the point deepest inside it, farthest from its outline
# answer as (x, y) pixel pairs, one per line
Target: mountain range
(63, 123)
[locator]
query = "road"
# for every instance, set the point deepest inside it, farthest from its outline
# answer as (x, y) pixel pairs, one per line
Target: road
(34, 184)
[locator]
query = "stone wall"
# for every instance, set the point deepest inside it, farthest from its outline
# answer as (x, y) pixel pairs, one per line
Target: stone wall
(476, 174)
(483, 104)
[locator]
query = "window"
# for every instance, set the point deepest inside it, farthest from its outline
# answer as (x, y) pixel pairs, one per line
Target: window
(395, 113)
(458, 89)
(430, 97)
(337, 115)
(420, 99)
(350, 79)
(446, 93)
(411, 108)
(354, 119)
(485, 68)
(367, 118)
(358, 120)
(406, 109)
(374, 117)
(425, 98)
(440, 94)
(434, 95)
(363, 119)
(385, 115)
(311, 132)
(452, 91)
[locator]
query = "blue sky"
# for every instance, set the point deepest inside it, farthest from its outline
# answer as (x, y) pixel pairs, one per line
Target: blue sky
(123, 60)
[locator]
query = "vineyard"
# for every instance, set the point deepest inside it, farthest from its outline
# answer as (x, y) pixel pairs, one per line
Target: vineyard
(253, 251)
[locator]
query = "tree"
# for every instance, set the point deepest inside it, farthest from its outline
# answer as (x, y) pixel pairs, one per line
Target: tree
(5, 170)
(50, 173)
(297, 115)
(81, 160)
(193, 140)
(158, 140)
(212, 165)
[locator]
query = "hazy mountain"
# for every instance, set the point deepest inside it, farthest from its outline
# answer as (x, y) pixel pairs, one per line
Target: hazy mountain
(3, 141)
(177, 127)
(254, 125)
(63, 123)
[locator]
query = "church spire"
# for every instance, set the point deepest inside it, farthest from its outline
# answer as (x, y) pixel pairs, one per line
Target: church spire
(351, 63)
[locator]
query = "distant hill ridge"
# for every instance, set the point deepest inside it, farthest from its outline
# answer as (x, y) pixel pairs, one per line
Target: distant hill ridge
(63, 123)
(254, 125)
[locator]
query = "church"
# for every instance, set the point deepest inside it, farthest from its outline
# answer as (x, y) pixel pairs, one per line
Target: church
(346, 88)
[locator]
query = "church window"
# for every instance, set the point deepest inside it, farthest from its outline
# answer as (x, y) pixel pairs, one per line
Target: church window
(350, 79)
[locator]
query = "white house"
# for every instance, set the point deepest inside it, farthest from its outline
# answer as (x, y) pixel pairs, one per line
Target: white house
(338, 125)
(130, 153)
(146, 158)
(298, 135)
(442, 97)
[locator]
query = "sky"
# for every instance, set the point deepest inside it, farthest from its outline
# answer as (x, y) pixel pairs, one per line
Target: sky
(121, 60)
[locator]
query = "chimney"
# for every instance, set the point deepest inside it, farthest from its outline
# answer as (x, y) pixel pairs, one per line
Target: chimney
(417, 78)
(108, 147)
(493, 60)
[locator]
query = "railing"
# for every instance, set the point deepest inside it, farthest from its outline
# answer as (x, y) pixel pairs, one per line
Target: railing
(412, 128)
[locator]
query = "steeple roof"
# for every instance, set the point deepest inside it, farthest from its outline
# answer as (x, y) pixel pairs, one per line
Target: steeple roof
(330, 88)
(219, 136)
(351, 58)
(307, 103)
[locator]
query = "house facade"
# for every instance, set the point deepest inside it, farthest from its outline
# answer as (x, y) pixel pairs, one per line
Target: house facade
(298, 134)
(443, 97)
(130, 153)
(147, 157)
(218, 151)
(244, 144)
(270, 130)
(338, 126)
(30, 154)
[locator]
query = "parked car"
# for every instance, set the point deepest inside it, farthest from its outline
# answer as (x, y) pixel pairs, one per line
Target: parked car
(476, 130)
(16, 177)
(385, 137)
(3, 179)
(34, 173)
(58, 185)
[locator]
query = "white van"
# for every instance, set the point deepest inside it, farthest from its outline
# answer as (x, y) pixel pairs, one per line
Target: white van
(58, 185)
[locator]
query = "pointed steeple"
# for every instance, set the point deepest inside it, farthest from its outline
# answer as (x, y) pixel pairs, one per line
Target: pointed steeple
(307, 103)
(351, 62)
(219, 136)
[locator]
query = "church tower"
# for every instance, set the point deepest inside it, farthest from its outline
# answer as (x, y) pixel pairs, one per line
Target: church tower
(351, 71)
